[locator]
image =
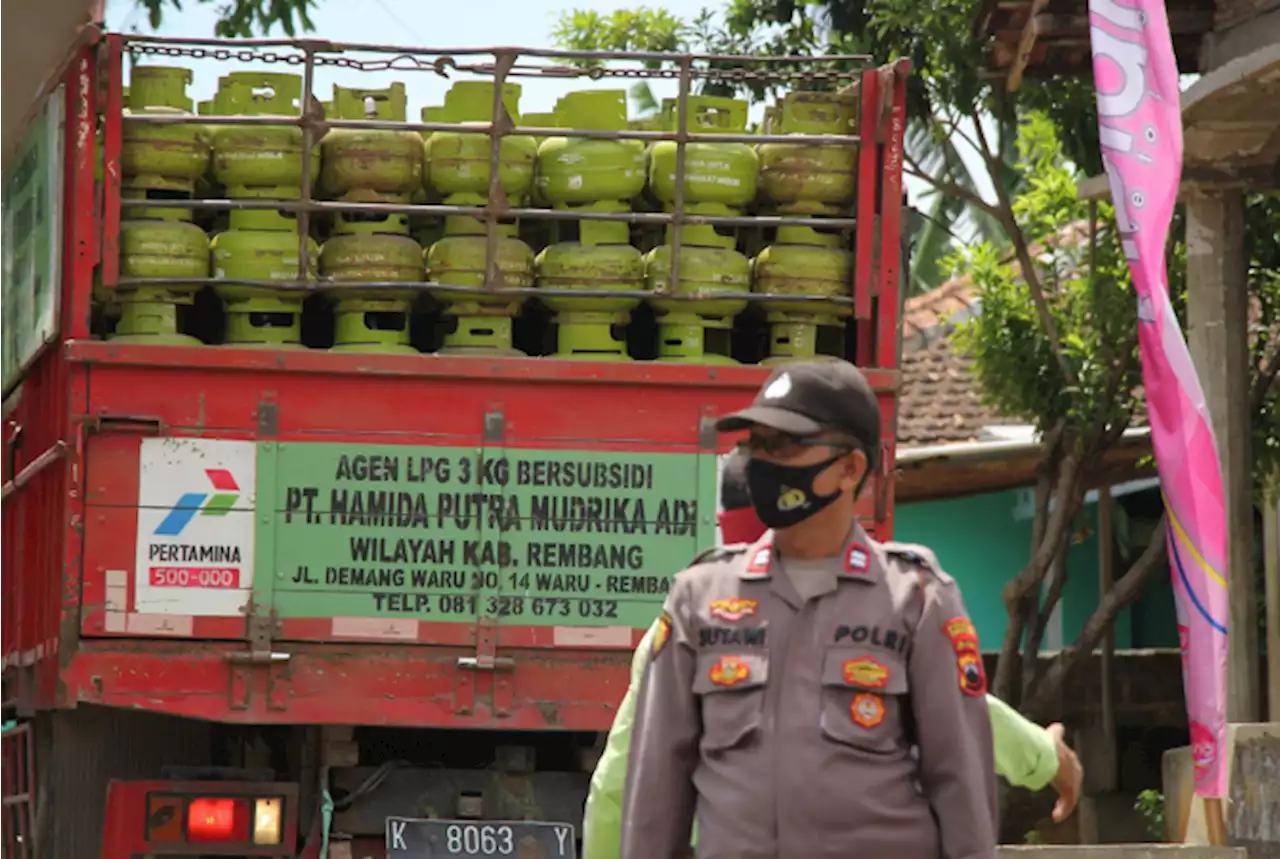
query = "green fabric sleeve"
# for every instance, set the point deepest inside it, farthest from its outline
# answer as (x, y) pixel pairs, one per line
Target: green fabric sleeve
(602, 820)
(1026, 755)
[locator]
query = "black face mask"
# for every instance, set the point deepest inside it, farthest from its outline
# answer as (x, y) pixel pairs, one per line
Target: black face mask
(782, 495)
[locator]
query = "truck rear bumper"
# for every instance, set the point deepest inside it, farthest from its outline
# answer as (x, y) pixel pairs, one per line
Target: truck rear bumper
(327, 684)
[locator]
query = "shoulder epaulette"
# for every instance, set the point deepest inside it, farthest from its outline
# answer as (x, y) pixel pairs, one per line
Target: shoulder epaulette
(719, 553)
(920, 557)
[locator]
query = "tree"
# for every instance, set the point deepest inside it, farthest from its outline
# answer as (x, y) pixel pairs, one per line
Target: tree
(946, 91)
(1071, 367)
(243, 18)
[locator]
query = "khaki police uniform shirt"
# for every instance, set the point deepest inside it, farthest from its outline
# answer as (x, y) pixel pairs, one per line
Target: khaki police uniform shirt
(788, 724)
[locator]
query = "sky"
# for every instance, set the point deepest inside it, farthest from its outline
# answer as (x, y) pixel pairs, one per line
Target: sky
(468, 23)
(428, 23)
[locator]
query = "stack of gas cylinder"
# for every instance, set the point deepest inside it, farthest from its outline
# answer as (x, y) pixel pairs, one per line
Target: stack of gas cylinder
(590, 272)
(255, 163)
(371, 166)
(460, 175)
(593, 257)
(807, 181)
(159, 162)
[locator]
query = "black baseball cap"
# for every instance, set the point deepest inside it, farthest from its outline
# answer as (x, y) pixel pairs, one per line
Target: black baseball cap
(809, 397)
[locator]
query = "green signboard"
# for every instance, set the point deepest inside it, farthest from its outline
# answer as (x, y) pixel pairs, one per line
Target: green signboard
(527, 536)
(32, 241)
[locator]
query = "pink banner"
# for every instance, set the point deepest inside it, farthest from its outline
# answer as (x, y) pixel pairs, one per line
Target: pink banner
(1140, 127)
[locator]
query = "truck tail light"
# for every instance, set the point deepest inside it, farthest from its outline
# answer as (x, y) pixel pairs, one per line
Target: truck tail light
(211, 819)
(216, 820)
(267, 820)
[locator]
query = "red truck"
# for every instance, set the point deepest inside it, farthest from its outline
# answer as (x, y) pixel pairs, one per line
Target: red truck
(280, 583)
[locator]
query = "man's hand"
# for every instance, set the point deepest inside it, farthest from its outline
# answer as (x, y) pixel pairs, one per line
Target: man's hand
(1070, 776)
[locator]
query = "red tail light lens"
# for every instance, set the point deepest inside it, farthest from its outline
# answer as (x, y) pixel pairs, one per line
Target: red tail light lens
(218, 819)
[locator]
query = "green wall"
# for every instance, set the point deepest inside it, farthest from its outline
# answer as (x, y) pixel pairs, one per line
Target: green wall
(984, 540)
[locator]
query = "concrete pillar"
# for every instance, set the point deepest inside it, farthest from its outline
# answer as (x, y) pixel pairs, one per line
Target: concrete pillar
(1217, 322)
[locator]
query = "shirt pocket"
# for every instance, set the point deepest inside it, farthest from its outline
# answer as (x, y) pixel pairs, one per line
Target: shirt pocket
(731, 689)
(863, 696)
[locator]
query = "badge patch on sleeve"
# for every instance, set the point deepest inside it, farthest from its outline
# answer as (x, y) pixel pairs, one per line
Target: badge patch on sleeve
(734, 608)
(729, 671)
(963, 637)
(865, 671)
(973, 676)
(662, 633)
(867, 709)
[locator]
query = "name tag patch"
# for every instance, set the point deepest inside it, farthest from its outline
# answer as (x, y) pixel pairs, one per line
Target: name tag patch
(737, 636)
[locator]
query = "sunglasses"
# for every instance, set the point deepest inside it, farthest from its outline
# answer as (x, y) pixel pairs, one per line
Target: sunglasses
(786, 446)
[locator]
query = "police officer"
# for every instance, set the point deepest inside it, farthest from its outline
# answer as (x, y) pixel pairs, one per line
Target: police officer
(789, 680)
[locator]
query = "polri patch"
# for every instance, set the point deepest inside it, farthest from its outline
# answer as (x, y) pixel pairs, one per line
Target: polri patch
(867, 709)
(662, 633)
(973, 676)
(729, 671)
(734, 608)
(858, 560)
(866, 672)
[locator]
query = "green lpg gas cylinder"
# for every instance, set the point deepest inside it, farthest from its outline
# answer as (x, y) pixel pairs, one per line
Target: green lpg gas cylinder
(802, 261)
(162, 157)
(697, 331)
(429, 114)
(372, 318)
(171, 249)
(479, 324)
(574, 171)
(260, 156)
(460, 160)
(539, 120)
(806, 179)
(261, 245)
(724, 173)
(207, 186)
(601, 260)
(371, 165)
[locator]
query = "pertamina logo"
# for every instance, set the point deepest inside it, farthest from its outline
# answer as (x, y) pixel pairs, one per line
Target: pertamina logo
(219, 503)
(201, 561)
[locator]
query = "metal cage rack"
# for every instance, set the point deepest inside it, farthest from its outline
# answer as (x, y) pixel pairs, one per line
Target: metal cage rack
(877, 98)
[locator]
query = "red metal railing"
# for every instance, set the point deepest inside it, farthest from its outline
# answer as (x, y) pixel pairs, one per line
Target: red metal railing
(41, 501)
(18, 782)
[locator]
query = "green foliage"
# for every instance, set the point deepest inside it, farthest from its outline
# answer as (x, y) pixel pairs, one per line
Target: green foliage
(641, 29)
(244, 18)
(1086, 287)
(1262, 244)
(1150, 806)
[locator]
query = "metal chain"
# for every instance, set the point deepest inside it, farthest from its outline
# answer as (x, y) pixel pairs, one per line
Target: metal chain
(442, 65)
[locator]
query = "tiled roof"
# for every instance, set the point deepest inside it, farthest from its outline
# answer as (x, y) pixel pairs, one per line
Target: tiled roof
(931, 314)
(939, 402)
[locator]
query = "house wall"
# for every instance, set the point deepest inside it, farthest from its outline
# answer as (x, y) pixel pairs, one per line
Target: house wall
(984, 540)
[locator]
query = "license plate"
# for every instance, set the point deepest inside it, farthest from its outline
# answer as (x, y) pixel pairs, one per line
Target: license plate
(411, 838)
